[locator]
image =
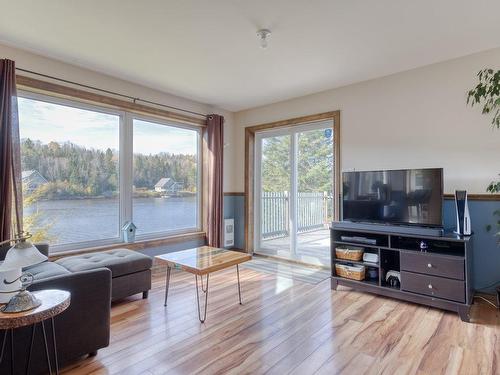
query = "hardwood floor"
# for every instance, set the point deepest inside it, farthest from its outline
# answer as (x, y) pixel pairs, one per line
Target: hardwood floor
(288, 327)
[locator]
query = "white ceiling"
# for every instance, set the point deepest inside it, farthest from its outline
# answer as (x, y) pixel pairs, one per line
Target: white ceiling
(207, 50)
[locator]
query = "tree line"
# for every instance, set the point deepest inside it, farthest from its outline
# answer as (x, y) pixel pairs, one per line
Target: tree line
(73, 170)
(314, 164)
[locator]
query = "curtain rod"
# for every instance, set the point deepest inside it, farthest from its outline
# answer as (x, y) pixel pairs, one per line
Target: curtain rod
(111, 92)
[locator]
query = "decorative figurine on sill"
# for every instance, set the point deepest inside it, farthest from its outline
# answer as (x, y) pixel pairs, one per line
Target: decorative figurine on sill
(128, 231)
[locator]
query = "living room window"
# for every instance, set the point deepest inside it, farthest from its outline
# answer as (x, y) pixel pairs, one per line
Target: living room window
(70, 174)
(166, 177)
(87, 170)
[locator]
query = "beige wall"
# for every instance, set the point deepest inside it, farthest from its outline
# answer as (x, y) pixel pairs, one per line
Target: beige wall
(40, 64)
(417, 118)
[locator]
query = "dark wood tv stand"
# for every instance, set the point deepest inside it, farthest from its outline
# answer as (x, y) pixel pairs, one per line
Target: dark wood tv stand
(438, 277)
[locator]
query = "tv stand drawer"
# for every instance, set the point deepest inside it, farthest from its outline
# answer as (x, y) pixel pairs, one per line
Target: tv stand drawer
(434, 286)
(431, 264)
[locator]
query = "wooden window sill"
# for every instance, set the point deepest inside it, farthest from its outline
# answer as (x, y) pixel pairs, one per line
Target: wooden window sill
(138, 245)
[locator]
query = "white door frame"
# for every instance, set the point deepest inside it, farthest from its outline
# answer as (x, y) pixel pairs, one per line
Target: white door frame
(293, 132)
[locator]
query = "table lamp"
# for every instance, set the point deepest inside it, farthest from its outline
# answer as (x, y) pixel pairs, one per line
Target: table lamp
(22, 254)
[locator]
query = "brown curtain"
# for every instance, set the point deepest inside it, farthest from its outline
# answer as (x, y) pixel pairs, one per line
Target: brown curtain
(215, 146)
(10, 153)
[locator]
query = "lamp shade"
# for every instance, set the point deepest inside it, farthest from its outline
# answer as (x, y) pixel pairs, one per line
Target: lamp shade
(22, 254)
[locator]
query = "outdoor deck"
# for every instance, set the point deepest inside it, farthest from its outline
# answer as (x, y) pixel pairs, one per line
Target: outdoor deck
(312, 247)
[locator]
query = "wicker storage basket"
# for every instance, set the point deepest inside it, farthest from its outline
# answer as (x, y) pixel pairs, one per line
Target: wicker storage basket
(349, 253)
(350, 272)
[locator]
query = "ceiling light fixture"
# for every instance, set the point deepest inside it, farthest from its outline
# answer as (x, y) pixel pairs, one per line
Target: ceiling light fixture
(263, 34)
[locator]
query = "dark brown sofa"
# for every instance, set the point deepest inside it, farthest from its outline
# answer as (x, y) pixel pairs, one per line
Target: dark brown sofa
(82, 329)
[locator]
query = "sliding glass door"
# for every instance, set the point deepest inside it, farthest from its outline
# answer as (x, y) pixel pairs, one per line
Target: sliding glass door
(314, 194)
(294, 192)
(274, 190)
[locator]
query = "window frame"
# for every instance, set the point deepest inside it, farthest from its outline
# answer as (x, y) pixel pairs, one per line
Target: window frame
(125, 168)
(199, 182)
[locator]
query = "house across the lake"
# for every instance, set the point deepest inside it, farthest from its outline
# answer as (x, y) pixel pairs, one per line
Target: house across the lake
(32, 180)
(168, 185)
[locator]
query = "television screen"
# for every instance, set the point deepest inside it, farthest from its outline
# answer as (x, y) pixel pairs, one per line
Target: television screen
(406, 196)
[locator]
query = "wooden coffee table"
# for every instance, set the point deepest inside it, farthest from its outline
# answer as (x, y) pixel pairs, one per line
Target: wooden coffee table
(202, 261)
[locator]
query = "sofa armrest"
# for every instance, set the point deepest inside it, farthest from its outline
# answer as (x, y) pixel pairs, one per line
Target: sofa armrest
(89, 283)
(88, 315)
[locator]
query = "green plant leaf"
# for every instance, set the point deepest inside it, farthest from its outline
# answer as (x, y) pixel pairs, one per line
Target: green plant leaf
(487, 92)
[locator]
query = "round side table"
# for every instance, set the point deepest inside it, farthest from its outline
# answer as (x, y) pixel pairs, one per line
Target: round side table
(54, 302)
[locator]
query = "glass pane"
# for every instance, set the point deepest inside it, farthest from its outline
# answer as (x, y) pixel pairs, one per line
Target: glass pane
(315, 195)
(70, 172)
(165, 195)
(275, 196)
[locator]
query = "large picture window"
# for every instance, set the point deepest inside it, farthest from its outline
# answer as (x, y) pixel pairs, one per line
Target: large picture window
(88, 170)
(166, 193)
(70, 171)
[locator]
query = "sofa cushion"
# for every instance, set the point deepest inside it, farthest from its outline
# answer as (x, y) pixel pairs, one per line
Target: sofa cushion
(45, 270)
(119, 261)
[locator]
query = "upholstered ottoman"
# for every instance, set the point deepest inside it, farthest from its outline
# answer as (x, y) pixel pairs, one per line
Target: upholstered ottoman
(130, 270)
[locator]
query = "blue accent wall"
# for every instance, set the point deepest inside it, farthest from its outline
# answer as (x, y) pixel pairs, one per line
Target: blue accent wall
(234, 208)
(486, 250)
(486, 255)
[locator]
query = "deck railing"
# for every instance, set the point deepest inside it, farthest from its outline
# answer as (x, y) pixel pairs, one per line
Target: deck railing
(314, 211)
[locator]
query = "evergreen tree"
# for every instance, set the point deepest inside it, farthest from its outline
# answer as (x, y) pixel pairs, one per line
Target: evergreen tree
(314, 164)
(72, 170)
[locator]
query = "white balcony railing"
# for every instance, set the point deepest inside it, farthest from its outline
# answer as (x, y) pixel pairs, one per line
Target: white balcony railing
(314, 211)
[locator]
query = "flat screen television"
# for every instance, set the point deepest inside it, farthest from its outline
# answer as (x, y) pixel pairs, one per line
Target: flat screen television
(398, 197)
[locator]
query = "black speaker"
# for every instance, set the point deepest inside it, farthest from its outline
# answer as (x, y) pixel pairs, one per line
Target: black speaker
(463, 217)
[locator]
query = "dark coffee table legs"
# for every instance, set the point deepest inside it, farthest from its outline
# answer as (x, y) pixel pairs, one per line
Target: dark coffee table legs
(31, 348)
(4, 343)
(46, 347)
(167, 284)
(204, 290)
(54, 344)
(239, 289)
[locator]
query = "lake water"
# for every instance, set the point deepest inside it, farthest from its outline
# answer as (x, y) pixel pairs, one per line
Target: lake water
(79, 220)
